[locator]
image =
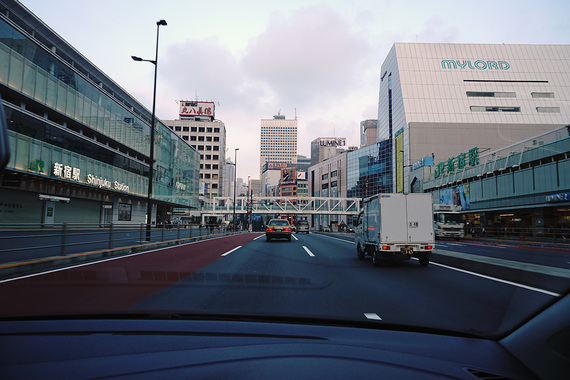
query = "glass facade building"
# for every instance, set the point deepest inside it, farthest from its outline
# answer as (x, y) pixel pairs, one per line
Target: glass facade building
(369, 170)
(79, 142)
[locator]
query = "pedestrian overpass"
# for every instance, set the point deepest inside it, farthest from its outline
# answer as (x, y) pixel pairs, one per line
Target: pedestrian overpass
(222, 206)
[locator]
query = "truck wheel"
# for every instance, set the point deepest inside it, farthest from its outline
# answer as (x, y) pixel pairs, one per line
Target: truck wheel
(424, 261)
(376, 259)
(359, 252)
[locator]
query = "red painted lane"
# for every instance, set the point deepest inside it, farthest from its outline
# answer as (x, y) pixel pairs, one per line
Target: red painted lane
(114, 285)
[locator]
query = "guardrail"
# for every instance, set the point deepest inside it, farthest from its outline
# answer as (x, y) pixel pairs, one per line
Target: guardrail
(29, 241)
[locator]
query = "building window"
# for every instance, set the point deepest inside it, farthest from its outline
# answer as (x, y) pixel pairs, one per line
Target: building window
(217, 130)
(193, 129)
(185, 129)
(201, 129)
(334, 173)
(178, 129)
(494, 109)
(209, 130)
(485, 94)
(192, 138)
(548, 109)
(185, 138)
(542, 94)
(325, 176)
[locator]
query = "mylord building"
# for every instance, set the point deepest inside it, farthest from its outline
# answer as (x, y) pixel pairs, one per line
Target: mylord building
(79, 143)
(440, 99)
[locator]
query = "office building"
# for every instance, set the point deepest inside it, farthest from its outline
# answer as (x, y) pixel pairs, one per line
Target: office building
(278, 140)
(199, 128)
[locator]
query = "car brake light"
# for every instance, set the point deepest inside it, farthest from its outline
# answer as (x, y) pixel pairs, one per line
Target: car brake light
(269, 229)
(385, 247)
(429, 247)
(286, 229)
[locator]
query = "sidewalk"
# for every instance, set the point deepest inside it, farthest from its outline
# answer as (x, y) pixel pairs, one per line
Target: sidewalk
(525, 241)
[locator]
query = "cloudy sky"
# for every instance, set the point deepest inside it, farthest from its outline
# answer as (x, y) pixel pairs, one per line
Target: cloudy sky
(318, 59)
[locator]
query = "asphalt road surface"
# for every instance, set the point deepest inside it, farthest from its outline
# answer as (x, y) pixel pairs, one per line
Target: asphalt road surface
(313, 276)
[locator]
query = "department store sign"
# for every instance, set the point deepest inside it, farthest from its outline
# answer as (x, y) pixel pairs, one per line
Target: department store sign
(334, 142)
(74, 174)
(478, 64)
(470, 158)
(562, 197)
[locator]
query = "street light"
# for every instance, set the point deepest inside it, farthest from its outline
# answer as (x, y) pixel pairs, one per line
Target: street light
(152, 126)
(235, 183)
(249, 204)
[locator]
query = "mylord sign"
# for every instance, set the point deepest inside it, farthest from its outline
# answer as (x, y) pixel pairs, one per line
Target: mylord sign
(479, 64)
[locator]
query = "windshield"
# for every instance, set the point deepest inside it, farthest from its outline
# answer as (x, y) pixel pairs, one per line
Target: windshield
(450, 218)
(154, 161)
(278, 223)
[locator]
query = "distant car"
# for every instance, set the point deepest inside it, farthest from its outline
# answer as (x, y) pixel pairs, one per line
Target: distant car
(326, 229)
(303, 226)
(278, 229)
(350, 230)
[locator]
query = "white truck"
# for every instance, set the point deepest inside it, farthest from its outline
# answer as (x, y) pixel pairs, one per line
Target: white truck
(448, 222)
(395, 226)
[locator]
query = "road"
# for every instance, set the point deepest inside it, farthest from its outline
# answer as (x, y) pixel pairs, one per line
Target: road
(312, 276)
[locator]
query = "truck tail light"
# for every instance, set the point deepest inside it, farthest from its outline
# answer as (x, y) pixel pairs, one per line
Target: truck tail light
(385, 247)
(429, 246)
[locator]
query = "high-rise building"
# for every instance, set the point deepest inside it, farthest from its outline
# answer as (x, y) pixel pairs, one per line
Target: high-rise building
(278, 140)
(199, 128)
(368, 132)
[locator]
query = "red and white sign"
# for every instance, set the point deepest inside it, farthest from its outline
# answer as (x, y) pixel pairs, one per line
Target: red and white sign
(196, 108)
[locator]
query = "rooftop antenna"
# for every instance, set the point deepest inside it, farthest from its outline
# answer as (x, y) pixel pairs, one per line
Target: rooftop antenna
(295, 113)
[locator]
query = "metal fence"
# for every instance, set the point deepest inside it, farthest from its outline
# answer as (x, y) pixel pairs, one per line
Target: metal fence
(31, 241)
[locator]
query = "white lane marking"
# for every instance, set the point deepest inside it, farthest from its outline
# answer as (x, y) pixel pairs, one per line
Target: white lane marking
(235, 249)
(260, 236)
(294, 237)
(373, 316)
(331, 237)
(308, 251)
(498, 280)
(103, 261)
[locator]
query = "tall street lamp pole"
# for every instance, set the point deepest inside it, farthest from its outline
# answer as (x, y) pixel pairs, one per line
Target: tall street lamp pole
(235, 185)
(152, 126)
(249, 204)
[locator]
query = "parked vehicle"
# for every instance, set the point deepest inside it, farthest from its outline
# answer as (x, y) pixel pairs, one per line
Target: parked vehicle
(395, 226)
(448, 222)
(303, 226)
(278, 229)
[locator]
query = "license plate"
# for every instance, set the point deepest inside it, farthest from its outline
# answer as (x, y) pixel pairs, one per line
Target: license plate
(407, 251)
